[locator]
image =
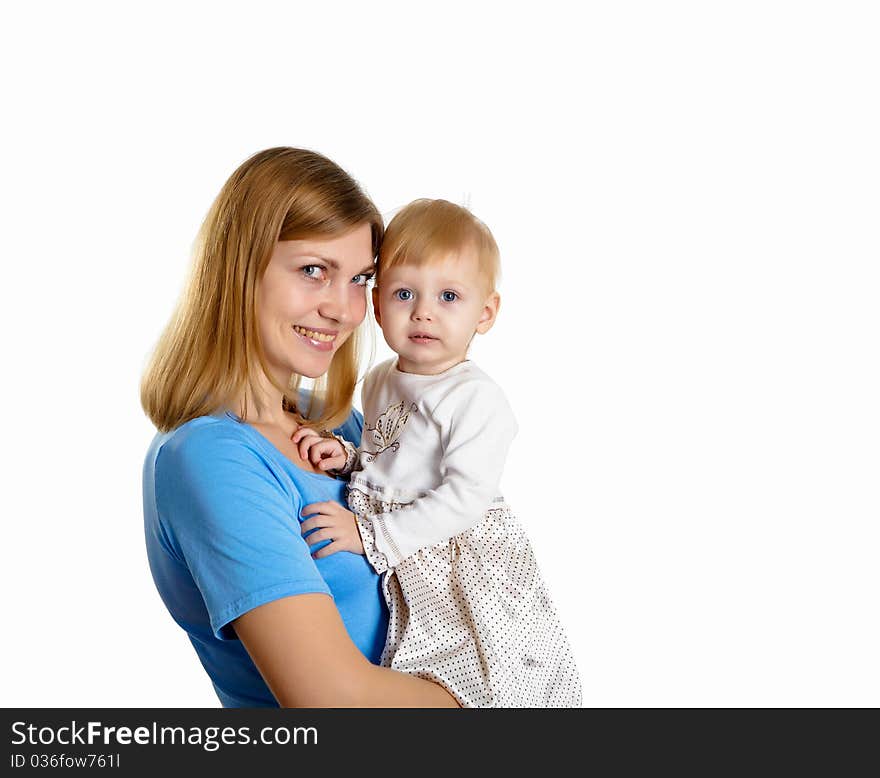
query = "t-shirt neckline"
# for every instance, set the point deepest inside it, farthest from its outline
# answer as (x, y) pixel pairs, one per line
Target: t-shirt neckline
(268, 444)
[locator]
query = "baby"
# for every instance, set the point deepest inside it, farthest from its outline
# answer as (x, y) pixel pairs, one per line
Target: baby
(467, 604)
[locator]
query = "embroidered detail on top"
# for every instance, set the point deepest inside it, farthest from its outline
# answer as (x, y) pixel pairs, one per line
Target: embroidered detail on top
(387, 430)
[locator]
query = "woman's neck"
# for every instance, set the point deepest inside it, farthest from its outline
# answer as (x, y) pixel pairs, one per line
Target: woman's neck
(263, 405)
(264, 410)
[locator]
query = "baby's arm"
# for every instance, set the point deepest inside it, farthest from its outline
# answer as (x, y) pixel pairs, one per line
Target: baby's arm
(326, 453)
(478, 427)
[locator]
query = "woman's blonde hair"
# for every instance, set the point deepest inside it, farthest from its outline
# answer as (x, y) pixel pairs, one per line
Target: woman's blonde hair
(210, 354)
(426, 231)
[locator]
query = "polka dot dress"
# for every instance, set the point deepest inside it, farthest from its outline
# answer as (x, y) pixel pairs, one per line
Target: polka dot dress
(473, 614)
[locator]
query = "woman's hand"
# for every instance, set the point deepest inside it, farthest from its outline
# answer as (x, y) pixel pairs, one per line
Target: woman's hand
(323, 453)
(334, 523)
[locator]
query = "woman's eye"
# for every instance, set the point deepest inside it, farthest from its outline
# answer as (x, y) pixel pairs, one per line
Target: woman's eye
(403, 294)
(448, 297)
(313, 271)
(362, 279)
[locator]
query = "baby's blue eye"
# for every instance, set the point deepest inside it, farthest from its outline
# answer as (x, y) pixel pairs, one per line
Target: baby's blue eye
(403, 295)
(448, 297)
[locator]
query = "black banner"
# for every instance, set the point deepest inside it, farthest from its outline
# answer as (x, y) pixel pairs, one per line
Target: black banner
(619, 741)
(127, 741)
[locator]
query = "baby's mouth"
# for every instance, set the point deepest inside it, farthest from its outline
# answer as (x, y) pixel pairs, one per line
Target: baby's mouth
(422, 337)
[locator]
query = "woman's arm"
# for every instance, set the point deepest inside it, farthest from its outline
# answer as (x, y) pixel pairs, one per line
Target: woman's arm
(301, 648)
(228, 520)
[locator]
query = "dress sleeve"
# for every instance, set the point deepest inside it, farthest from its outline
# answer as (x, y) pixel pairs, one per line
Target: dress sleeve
(478, 427)
(349, 436)
(352, 457)
(231, 522)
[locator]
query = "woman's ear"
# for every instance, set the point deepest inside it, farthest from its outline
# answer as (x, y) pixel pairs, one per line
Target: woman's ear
(489, 314)
(376, 306)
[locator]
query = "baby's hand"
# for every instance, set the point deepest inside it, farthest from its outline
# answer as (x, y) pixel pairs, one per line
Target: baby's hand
(323, 453)
(330, 521)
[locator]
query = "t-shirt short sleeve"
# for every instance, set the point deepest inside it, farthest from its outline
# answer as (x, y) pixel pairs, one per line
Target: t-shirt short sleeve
(231, 517)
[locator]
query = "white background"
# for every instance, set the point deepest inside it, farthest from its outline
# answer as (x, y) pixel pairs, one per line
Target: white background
(686, 198)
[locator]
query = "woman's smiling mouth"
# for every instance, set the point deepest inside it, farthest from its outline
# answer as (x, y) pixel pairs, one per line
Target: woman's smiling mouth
(322, 340)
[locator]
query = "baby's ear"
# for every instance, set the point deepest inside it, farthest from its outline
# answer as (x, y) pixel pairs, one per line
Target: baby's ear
(489, 314)
(376, 306)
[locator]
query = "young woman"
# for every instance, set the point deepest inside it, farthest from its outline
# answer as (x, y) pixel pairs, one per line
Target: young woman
(277, 294)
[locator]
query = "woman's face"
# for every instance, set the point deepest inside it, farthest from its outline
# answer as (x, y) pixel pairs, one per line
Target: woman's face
(310, 299)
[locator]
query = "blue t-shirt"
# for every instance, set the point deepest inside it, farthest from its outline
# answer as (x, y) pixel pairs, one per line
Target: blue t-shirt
(222, 523)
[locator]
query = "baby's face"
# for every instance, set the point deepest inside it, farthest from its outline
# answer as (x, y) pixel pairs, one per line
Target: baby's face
(429, 314)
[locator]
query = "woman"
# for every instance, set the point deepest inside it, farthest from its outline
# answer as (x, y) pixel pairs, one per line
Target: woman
(277, 294)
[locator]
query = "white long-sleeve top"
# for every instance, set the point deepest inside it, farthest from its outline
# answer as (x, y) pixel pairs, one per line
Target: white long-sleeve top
(436, 443)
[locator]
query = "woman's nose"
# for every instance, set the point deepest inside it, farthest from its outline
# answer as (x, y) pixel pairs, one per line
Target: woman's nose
(337, 303)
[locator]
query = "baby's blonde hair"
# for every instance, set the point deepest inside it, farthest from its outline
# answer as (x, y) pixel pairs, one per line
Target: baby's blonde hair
(427, 231)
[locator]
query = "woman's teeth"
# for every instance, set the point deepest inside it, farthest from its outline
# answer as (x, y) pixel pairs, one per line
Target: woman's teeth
(312, 335)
